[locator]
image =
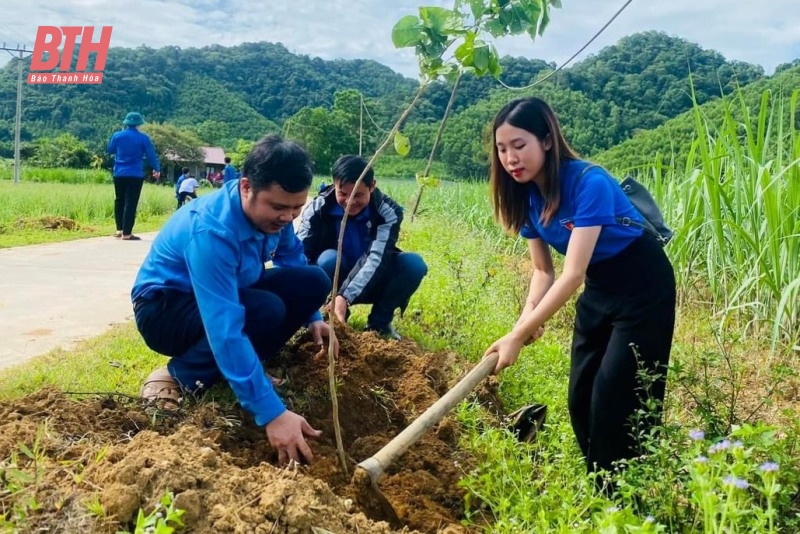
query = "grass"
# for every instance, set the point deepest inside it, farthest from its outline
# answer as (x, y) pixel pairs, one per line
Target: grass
(58, 175)
(77, 211)
(117, 361)
(464, 303)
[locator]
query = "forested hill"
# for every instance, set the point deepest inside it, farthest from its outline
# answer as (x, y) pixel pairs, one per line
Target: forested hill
(228, 93)
(249, 87)
(673, 140)
(633, 86)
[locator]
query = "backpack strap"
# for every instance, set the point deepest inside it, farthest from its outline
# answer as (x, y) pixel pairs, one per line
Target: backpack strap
(642, 202)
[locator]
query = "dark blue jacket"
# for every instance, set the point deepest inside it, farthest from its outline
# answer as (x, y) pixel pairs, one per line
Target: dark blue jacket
(319, 226)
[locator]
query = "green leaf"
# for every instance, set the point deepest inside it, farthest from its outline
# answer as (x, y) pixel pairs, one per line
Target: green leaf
(495, 69)
(481, 56)
(441, 20)
(516, 24)
(463, 53)
(446, 70)
(545, 20)
(401, 144)
(478, 8)
(26, 451)
(496, 28)
(528, 11)
(21, 477)
(407, 32)
(427, 181)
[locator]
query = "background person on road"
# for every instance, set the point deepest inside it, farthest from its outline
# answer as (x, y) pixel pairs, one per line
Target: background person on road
(129, 147)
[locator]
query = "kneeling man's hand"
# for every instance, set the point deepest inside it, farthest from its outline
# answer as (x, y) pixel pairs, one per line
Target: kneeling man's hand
(287, 434)
(340, 308)
(320, 330)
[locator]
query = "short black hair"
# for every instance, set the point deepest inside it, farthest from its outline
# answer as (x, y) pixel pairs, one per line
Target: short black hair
(185, 170)
(275, 160)
(348, 168)
(227, 159)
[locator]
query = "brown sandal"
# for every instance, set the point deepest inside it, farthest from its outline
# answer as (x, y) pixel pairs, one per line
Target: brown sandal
(161, 390)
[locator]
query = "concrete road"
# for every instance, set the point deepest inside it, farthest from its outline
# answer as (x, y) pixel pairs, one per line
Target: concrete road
(56, 294)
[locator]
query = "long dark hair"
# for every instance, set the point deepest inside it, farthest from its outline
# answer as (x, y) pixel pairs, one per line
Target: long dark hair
(509, 198)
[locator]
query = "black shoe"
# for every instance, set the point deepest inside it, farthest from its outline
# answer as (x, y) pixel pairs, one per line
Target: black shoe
(387, 332)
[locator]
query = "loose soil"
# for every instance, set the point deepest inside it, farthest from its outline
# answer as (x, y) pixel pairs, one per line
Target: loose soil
(113, 450)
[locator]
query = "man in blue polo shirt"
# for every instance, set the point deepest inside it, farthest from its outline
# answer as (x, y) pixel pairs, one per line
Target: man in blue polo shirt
(226, 284)
(229, 173)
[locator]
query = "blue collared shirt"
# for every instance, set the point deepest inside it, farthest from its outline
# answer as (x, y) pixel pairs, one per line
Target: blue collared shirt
(210, 248)
(593, 199)
(130, 147)
(229, 173)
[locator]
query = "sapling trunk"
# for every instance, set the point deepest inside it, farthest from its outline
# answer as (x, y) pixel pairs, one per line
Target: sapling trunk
(337, 429)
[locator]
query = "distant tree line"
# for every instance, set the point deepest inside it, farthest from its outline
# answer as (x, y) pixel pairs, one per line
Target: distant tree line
(226, 96)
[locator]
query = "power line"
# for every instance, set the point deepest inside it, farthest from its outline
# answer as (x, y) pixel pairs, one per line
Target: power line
(25, 40)
(576, 54)
(364, 105)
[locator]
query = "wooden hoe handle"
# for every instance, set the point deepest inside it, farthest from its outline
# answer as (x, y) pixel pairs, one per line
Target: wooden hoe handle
(376, 464)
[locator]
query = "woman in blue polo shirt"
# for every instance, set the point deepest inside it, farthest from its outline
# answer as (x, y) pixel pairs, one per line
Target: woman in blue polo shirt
(625, 316)
(130, 147)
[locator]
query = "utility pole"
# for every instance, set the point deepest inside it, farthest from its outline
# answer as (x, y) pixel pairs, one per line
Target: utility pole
(18, 120)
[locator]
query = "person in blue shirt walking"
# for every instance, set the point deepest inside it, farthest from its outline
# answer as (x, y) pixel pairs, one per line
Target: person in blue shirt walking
(130, 147)
(229, 172)
(625, 316)
(226, 284)
(373, 270)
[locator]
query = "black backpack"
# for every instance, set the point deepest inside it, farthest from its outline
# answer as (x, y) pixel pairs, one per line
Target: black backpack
(645, 204)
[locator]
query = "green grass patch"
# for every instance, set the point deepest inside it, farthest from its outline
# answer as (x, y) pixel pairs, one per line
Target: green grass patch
(33, 213)
(116, 361)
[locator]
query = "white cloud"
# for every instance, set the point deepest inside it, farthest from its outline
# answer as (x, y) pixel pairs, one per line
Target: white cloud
(766, 34)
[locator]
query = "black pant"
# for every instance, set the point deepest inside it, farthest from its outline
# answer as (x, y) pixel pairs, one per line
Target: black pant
(127, 190)
(275, 308)
(628, 304)
(184, 197)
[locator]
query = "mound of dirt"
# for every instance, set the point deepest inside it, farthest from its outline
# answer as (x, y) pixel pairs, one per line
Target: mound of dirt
(49, 222)
(219, 465)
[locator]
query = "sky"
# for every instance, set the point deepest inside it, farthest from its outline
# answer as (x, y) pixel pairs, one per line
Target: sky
(765, 33)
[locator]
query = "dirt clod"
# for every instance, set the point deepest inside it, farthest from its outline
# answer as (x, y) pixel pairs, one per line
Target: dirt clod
(219, 465)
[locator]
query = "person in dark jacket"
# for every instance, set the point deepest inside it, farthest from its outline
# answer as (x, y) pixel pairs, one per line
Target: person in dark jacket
(130, 147)
(373, 270)
(184, 175)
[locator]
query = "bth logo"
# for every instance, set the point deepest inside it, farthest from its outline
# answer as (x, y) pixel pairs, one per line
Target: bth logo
(48, 40)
